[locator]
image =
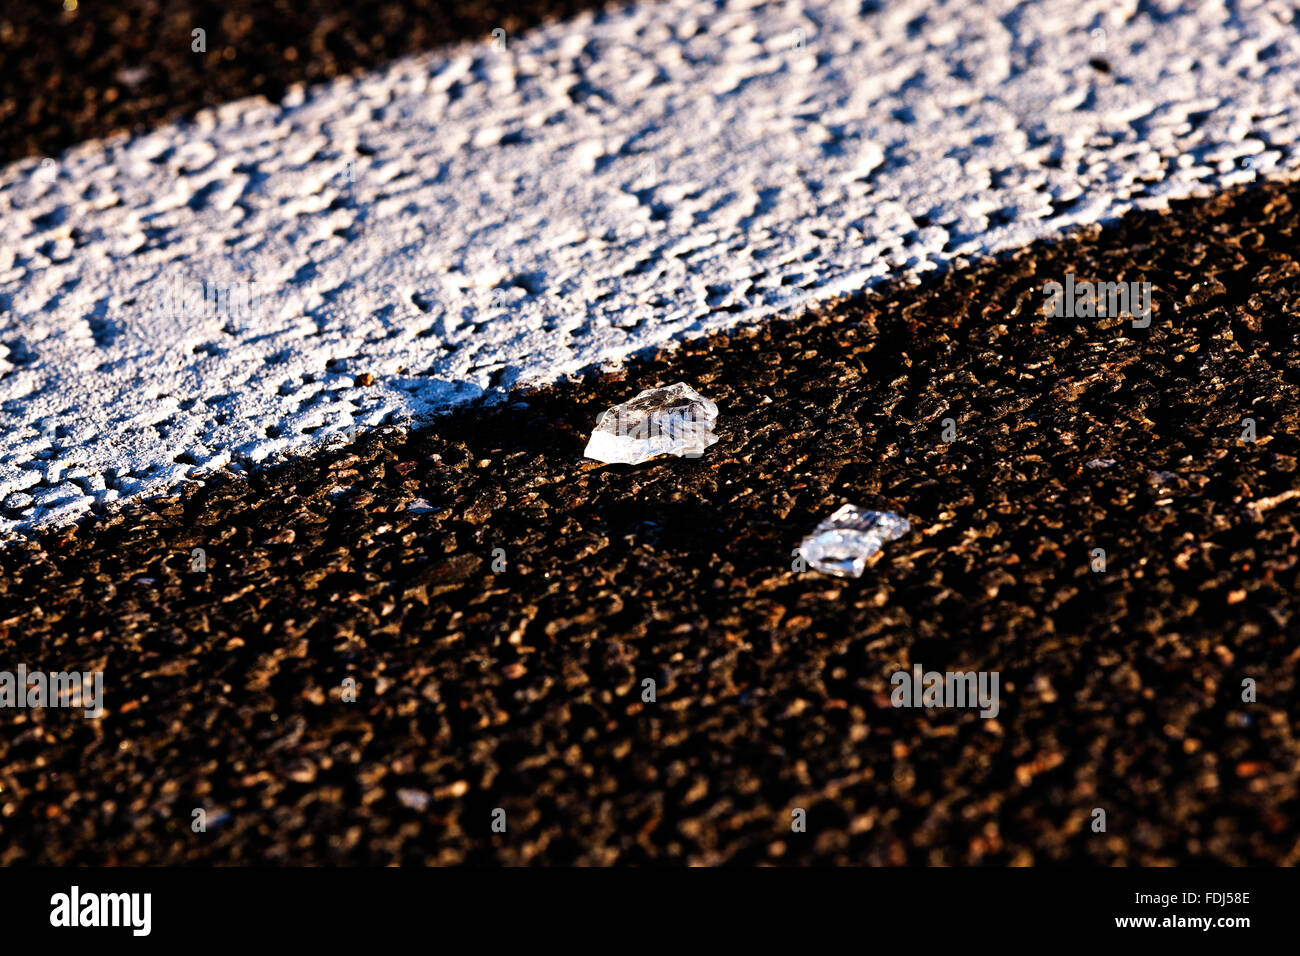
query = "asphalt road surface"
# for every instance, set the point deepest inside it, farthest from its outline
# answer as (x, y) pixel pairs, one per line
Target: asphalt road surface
(520, 686)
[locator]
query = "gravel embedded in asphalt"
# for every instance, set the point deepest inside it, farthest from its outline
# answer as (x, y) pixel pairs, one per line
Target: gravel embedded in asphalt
(521, 688)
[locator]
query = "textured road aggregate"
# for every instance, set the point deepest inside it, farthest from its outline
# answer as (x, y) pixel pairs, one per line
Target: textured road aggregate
(500, 602)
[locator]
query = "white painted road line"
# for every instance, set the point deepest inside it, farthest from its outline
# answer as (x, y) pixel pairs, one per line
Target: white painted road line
(223, 291)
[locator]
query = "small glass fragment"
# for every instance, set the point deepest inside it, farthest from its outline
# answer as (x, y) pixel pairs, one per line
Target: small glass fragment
(675, 420)
(842, 543)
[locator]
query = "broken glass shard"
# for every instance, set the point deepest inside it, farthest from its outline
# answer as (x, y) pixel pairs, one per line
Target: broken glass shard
(842, 543)
(675, 420)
